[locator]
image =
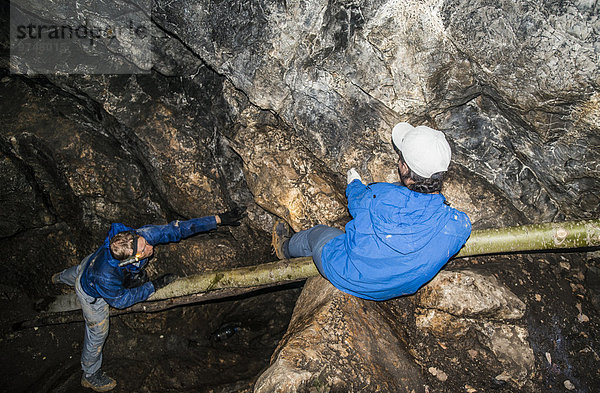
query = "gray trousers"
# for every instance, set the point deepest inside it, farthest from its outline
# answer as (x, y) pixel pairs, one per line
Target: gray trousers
(310, 243)
(96, 316)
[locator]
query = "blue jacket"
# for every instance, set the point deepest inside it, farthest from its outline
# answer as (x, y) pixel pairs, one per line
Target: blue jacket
(397, 241)
(102, 276)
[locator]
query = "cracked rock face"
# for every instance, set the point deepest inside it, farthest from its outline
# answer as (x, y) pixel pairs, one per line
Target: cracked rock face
(270, 103)
(513, 84)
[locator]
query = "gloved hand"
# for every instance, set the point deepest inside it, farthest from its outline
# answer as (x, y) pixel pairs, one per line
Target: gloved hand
(353, 175)
(163, 281)
(232, 217)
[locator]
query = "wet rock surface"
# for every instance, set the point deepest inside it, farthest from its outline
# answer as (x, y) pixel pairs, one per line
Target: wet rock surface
(285, 177)
(171, 351)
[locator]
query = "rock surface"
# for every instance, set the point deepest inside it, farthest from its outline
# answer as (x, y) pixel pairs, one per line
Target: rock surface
(460, 302)
(339, 342)
(267, 104)
(514, 84)
(284, 176)
(333, 335)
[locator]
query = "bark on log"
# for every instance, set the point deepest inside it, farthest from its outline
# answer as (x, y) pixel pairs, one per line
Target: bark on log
(538, 237)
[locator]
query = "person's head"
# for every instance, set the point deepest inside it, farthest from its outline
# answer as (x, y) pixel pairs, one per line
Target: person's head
(126, 244)
(424, 157)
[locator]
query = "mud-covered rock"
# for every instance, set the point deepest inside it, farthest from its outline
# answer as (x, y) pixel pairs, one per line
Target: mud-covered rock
(170, 134)
(19, 195)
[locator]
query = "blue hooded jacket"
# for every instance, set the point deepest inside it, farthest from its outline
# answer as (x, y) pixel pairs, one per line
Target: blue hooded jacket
(102, 276)
(397, 241)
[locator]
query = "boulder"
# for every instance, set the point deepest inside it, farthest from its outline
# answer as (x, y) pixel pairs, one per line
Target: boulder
(337, 342)
(457, 303)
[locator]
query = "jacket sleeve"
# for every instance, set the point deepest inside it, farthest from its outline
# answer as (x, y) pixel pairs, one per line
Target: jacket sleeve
(466, 224)
(176, 230)
(354, 192)
(117, 296)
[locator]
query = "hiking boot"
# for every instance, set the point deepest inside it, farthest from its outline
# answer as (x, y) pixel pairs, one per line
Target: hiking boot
(56, 278)
(98, 381)
(280, 238)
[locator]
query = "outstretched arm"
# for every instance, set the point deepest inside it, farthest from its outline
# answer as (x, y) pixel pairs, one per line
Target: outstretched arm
(354, 191)
(176, 230)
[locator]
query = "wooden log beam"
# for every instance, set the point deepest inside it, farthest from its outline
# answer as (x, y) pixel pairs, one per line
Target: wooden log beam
(536, 237)
(196, 288)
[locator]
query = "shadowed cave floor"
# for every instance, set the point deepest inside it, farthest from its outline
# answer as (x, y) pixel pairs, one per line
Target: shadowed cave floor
(171, 351)
(177, 351)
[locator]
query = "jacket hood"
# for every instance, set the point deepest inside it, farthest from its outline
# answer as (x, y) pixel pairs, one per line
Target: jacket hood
(114, 229)
(406, 220)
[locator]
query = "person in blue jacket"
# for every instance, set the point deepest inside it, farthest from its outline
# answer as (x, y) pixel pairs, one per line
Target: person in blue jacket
(114, 276)
(400, 236)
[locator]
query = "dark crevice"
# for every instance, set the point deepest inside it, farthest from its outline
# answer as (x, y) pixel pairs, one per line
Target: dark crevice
(186, 46)
(121, 136)
(209, 66)
(29, 174)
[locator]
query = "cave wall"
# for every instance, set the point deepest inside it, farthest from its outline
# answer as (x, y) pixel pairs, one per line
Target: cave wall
(268, 103)
(514, 84)
(79, 153)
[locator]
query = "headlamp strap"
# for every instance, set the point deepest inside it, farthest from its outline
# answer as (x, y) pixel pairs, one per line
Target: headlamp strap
(134, 257)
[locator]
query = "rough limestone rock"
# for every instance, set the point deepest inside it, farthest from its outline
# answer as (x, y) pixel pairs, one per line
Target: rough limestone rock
(339, 342)
(283, 175)
(470, 295)
(457, 301)
(332, 335)
(515, 84)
